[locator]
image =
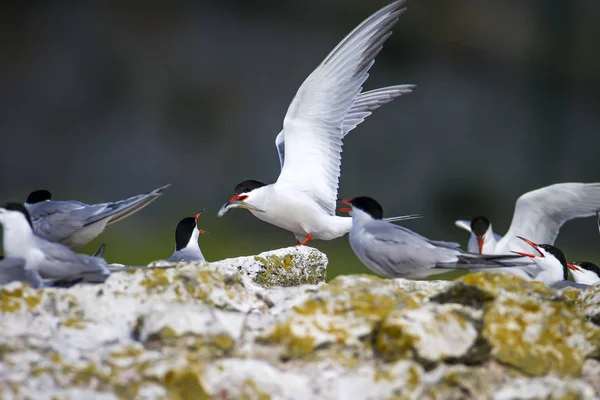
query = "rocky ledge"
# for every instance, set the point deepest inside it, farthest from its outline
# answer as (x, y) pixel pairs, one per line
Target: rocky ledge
(268, 327)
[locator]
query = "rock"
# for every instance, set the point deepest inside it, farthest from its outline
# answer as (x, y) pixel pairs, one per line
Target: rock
(430, 333)
(268, 327)
(285, 267)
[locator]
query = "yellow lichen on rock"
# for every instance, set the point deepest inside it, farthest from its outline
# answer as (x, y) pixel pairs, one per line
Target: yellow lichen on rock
(19, 297)
(540, 338)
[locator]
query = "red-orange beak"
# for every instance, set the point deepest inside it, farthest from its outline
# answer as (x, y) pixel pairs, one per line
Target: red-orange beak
(202, 231)
(480, 241)
(532, 244)
(573, 267)
(237, 201)
(345, 209)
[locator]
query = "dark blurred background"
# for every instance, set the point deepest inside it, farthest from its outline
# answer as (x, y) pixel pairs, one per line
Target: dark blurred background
(101, 102)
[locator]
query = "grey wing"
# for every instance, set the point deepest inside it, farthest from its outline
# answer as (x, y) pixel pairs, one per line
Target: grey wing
(13, 269)
(569, 284)
(280, 144)
(57, 220)
(60, 263)
(400, 252)
(119, 210)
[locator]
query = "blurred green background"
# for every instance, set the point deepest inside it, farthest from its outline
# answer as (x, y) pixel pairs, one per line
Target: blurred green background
(99, 102)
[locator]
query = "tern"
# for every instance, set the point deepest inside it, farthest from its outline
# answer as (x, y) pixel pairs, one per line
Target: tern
(52, 261)
(538, 216)
(75, 224)
(393, 251)
(326, 107)
(585, 272)
(186, 240)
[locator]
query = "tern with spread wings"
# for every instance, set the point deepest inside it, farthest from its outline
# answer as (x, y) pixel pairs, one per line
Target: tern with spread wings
(328, 105)
(538, 216)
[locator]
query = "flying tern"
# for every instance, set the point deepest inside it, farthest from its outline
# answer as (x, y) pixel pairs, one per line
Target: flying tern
(393, 251)
(186, 240)
(327, 106)
(74, 223)
(52, 261)
(538, 216)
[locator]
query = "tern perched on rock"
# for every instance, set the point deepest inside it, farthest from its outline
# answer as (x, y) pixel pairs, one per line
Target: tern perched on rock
(326, 107)
(75, 224)
(52, 261)
(538, 216)
(393, 251)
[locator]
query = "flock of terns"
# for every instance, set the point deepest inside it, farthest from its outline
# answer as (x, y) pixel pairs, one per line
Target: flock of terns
(40, 234)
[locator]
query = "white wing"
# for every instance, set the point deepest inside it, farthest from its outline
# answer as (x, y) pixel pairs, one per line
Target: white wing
(313, 125)
(463, 224)
(365, 104)
(539, 214)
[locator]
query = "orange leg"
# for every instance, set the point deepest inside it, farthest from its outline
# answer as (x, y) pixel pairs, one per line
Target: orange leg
(308, 237)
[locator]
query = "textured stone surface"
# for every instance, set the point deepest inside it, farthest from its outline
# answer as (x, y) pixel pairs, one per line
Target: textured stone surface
(268, 327)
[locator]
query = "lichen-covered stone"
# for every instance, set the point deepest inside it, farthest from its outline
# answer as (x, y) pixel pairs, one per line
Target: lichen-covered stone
(291, 266)
(344, 312)
(237, 329)
(540, 338)
(430, 333)
(549, 387)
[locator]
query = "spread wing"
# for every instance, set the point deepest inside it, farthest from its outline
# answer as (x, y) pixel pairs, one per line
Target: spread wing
(365, 104)
(539, 214)
(462, 224)
(313, 126)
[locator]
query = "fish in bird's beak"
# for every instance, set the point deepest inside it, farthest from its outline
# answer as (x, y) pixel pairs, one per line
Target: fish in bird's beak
(573, 267)
(345, 209)
(532, 244)
(237, 202)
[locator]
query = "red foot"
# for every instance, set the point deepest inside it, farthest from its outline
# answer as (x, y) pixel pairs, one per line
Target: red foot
(297, 242)
(308, 237)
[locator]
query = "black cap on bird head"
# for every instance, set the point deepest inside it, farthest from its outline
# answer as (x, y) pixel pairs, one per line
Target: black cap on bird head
(38, 196)
(588, 266)
(560, 256)
(248, 186)
(480, 225)
(368, 205)
(183, 232)
(19, 208)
